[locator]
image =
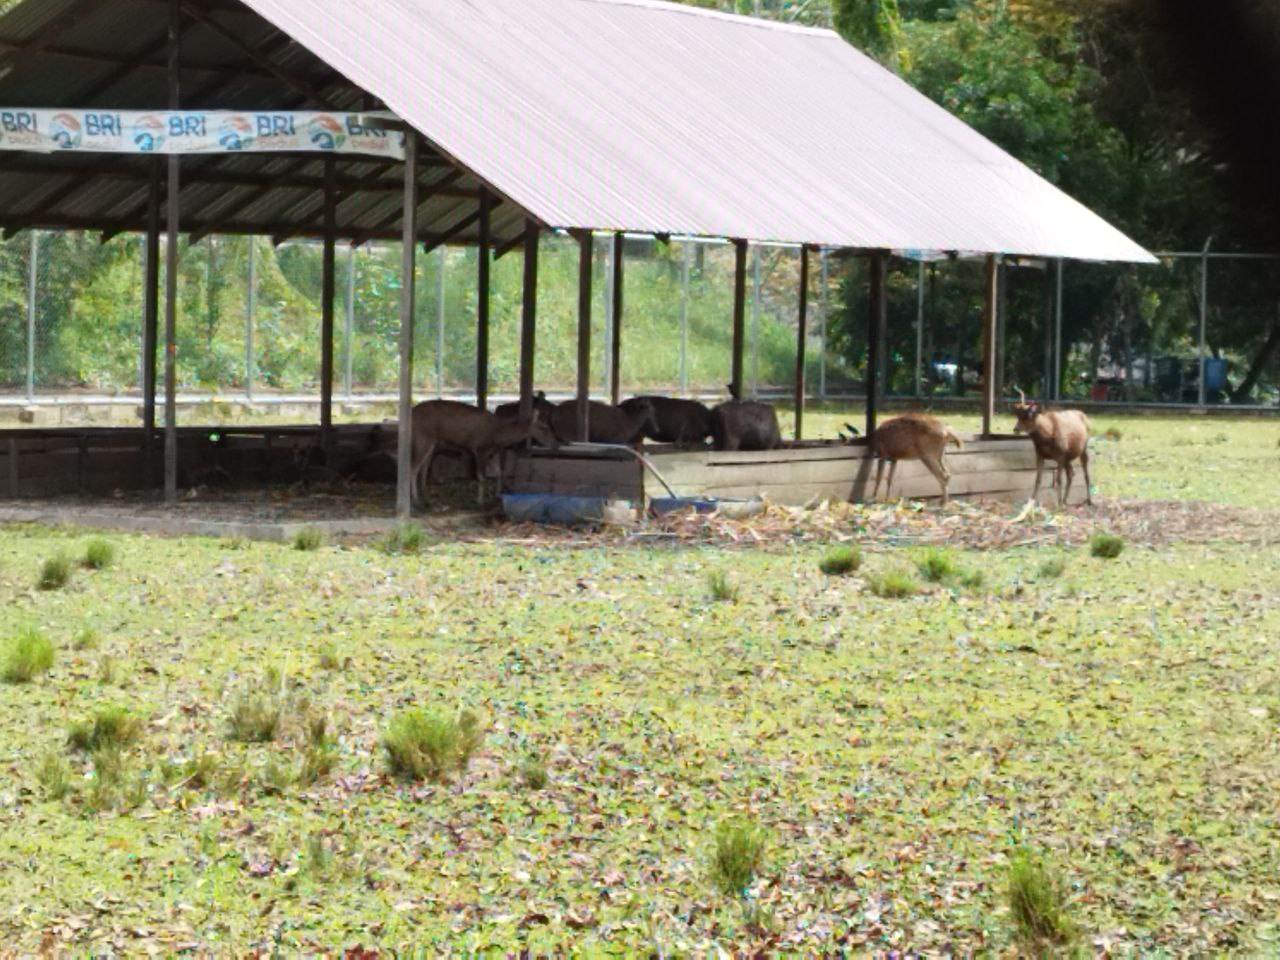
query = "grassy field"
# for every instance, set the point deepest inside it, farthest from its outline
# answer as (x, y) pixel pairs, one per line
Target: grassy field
(1117, 719)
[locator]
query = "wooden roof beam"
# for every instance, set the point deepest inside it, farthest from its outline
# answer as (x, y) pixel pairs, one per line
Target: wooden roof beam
(426, 192)
(49, 33)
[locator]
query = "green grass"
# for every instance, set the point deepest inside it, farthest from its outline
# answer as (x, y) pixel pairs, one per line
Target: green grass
(308, 539)
(25, 657)
(98, 554)
(938, 564)
(737, 857)
(406, 538)
(110, 727)
(1037, 903)
(841, 561)
(55, 572)
(721, 587)
(1106, 546)
(1121, 715)
(421, 745)
(892, 584)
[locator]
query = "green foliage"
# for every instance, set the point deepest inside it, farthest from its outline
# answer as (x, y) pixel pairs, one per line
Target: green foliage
(407, 538)
(841, 561)
(1106, 546)
(55, 572)
(54, 775)
(110, 672)
(425, 746)
(737, 857)
(110, 727)
(85, 639)
(533, 773)
(1052, 568)
(116, 784)
(255, 715)
(892, 584)
(330, 657)
(937, 564)
(98, 554)
(721, 587)
(26, 656)
(308, 539)
(1037, 902)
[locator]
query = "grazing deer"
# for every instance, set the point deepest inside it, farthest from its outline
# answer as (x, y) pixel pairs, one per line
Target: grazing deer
(605, 422)
(477, 432)
(739, 424)
(682, 422)
(913, 436)
(1058, 435)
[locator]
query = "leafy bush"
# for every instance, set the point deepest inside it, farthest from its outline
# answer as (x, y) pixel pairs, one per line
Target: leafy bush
(841, 561)
(1037, 903)
(98, 555)
(893, 584)
(1107, 546)
(425, 746)
(55, 572)
(738, 856)
(405, 539)
(308, 539)
(111, 727)
(722, 589)
(937, 564)
(26, 656)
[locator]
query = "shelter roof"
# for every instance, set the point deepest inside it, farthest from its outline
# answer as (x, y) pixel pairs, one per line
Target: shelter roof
(589, 114)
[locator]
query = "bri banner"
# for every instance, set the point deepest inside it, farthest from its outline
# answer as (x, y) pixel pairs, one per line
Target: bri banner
(186, 131)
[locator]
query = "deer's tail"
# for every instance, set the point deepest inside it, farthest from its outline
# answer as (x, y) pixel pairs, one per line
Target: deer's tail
(954, 440)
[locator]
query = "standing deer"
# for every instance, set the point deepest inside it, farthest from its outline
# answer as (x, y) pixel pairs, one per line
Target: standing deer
(913, 436)
(1058, 435)
(479, 433)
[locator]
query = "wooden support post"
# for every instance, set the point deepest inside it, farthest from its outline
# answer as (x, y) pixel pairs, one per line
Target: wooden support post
(1002, 324)
(585, 249)
(150, 325)
(615, 360)
(528, 316)
(1046, 394)
(739, 314)
(482, 303)
(802, 335)
(409, 249)
(327, 292)
(990, 291)
(171, 277)
(876, 322)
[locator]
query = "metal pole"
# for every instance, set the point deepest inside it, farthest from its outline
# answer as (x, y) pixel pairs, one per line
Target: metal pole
(1204, 314)
(327, 296)
(250, 312)
(409, 243)
(150, 323)
(684, 317)
(32, 272)
(822, 339)
(349, 328)
(755, 321)
(440, 322)
(171, 267)
(1057, 332)
(919, 329)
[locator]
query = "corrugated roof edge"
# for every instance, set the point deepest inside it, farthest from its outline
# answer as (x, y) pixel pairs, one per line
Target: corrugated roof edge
(741, 19)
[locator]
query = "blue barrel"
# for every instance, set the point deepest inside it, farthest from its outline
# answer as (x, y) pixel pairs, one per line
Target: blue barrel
(1215, 373)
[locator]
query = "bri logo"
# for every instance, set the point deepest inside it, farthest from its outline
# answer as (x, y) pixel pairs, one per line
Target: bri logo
(65, 130)
(148, 133)
(235, 133)
(326, 132)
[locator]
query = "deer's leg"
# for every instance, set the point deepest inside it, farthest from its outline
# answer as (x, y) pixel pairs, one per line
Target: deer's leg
(1088, 487)
(888, 490)
(1065, 491)
(875, 489)
(1035, 491)
(939, 470)
(419, 471)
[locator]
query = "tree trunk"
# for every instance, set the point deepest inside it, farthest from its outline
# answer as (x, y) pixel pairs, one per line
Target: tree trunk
(1259, 364)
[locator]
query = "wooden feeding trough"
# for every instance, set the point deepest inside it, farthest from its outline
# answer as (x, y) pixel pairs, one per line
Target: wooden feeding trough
(1001, 467)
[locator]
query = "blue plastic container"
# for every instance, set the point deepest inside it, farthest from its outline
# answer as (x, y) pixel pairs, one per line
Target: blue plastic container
(553, 508)
(1215, 373)
(660, 506)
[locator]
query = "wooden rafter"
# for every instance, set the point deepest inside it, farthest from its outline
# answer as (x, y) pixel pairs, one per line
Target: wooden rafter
(425, 193)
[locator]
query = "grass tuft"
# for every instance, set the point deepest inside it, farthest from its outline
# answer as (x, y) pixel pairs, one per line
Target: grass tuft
(1037, 903)
(738, 856)
(407, 538)
(1106, 546)
(98, 554)
(26, 656)
(329, 657)
(841, 561)
(1052, 568)
(308, 539)
(425, 746)
(938, 565)
(55, 572)
(893, 584)
(533, 774)
(111, 727)
(721, 587)
(85, 639)
(54, 775)
(255, 716)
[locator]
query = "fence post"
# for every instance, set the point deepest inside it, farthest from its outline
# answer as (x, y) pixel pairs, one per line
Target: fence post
(348, 330)
(1204, 314)
(684, 318)
(919, 326)
(606, 368)
(440, 324)
(822, 341)
(250, 309)
(32, 280)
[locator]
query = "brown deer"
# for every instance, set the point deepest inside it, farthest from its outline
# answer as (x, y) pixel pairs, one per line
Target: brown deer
(605, 422)
(1058, 435)
(913, 436)
(480, 434)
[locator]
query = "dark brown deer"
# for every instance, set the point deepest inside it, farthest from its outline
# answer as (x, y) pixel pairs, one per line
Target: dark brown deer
(1061, 436)
(913, 436)
(605, 422)
(740, 424)
(682, 422)
(482, 435)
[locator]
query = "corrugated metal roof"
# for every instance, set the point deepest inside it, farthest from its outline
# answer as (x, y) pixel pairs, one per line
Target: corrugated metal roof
(646, 116)
(594, 114)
